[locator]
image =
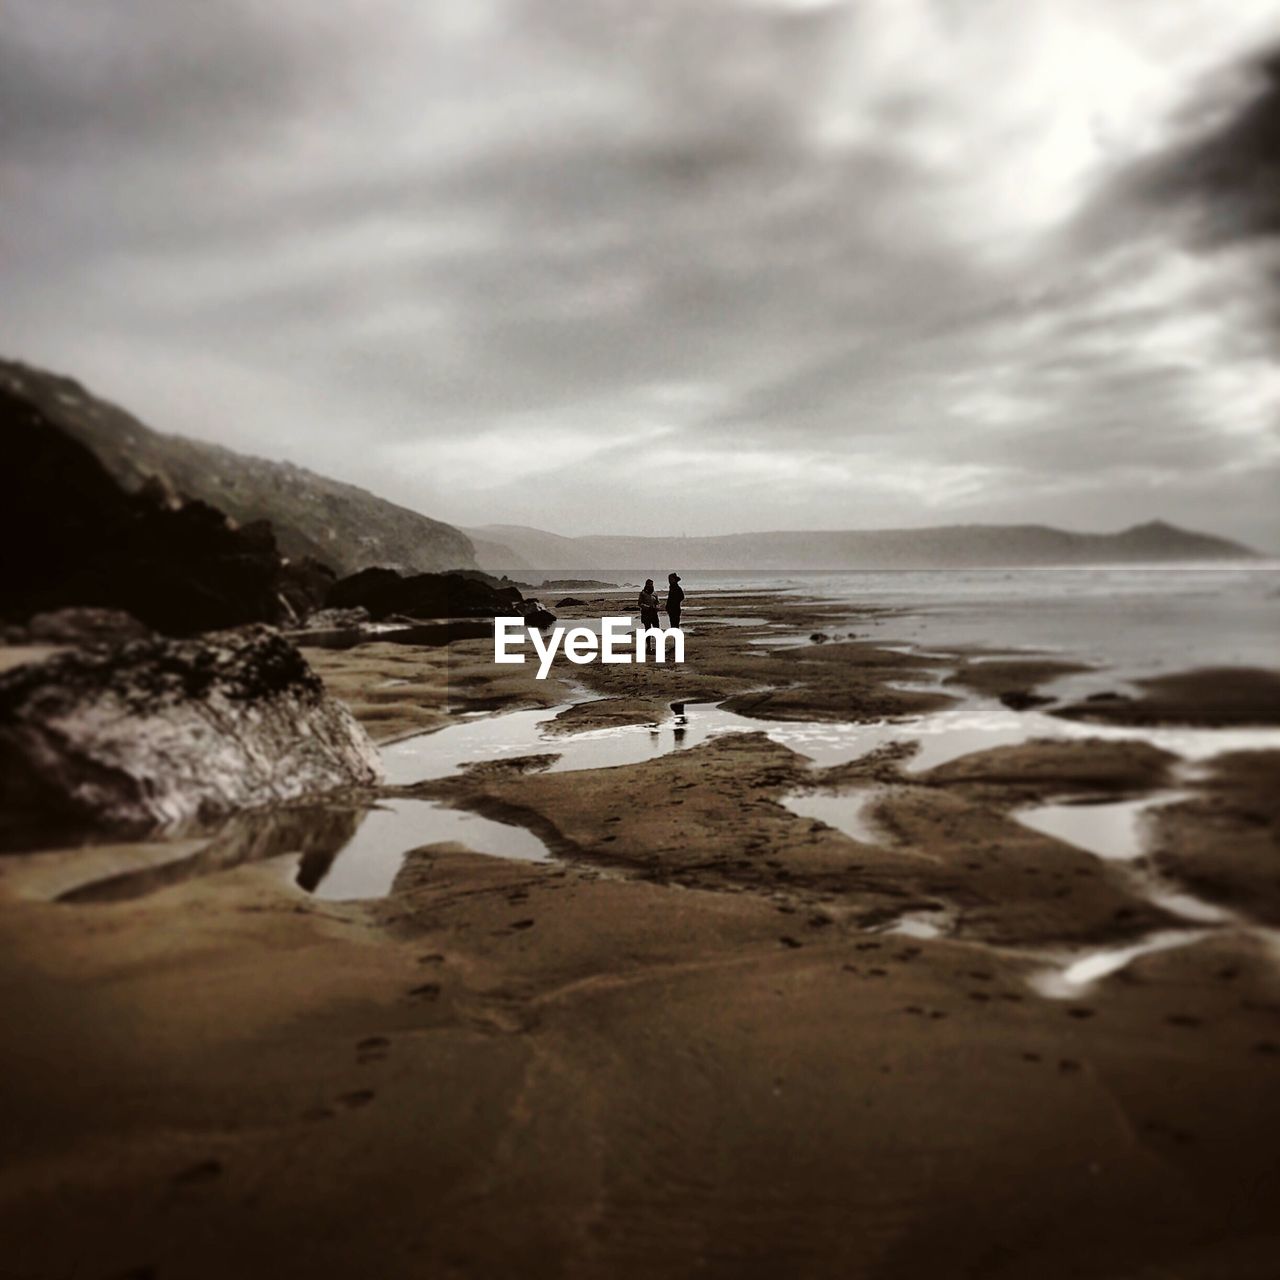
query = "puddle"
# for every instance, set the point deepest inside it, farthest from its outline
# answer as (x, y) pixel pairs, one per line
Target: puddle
(1110, 829)
(334, 853)
(845, 811)
(365, 866)
(921, 924)
(1115, 831)
(1080, 974)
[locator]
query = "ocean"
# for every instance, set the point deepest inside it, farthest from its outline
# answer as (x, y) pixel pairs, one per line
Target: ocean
(1132, 621)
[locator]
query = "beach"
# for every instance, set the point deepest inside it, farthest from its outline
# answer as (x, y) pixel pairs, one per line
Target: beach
(848, 948)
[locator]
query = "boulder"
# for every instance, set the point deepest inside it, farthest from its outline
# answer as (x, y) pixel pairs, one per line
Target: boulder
(534, 614)
(304, 584)
(423, 595)
(569, 602)
(162, 732)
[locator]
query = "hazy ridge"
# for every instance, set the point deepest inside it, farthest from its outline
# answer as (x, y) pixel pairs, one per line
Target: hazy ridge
(938, 547)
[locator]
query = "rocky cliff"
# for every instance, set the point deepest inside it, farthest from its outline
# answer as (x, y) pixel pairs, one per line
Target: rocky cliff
(337, 524)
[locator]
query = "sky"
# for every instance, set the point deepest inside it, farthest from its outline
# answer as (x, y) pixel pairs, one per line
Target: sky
(670, 266)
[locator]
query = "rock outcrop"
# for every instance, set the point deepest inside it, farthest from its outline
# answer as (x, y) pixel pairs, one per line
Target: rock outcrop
(74, 537)
(160, 732)
(384, 592)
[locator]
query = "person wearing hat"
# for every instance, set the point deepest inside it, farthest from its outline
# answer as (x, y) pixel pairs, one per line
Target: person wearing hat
(675, 596)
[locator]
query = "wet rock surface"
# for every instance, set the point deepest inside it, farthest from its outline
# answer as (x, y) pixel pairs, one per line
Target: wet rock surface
(162, 731)
(1211, 697)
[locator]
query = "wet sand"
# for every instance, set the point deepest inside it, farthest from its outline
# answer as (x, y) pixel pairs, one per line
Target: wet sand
(711, 1036)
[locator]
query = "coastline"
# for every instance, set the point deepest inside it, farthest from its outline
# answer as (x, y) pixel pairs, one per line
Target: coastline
(711, 1035)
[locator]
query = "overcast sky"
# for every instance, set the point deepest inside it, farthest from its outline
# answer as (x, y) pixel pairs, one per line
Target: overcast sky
(669, 265)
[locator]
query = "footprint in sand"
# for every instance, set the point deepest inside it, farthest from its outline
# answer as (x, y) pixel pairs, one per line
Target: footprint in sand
(356, 1098)
(790, 942)
(1184, 1020)
(427, 991)
(1068, 1066)
(205, 1171)
(372, 1049)
(433, 957)
(522, 924)
(1079, 1011)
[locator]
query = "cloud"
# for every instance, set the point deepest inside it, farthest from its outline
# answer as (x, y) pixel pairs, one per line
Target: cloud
(728, 263)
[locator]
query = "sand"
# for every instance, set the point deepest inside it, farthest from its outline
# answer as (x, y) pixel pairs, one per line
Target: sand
(685, 1047)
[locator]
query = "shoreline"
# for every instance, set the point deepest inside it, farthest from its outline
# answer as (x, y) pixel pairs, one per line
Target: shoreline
(690, 1041)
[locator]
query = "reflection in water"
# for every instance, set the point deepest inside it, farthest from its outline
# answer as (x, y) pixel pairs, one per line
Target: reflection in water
(365, 866)
(342, 853)
(680, 723)
(316, 832)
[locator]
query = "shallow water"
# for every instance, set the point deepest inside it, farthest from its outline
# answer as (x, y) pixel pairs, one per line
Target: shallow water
(1079, 974)
(845, 811)
(367, 864)
(1116, 831)
(1110, 829)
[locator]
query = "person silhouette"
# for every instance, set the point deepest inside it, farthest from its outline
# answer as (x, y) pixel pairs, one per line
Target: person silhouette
(648, 602)
(675, 598)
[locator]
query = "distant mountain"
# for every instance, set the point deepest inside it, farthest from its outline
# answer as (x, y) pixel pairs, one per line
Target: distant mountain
(516, 546)
(344, 527)
(939, 547)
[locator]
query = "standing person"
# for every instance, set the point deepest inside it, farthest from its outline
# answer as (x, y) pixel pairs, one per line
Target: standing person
(675, 597)
(649, 605)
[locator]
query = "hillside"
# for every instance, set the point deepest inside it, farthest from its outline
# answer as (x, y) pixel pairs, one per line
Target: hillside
(942, 547)
(344, 527)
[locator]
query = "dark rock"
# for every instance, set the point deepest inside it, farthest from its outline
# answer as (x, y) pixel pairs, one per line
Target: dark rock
(424, 595)
(819, 637)
(84, 626)
(337, 619)
(569, 602)
(163, 731)
(304, 584)
(76, 538)
(1023, 700)
(535, 615)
